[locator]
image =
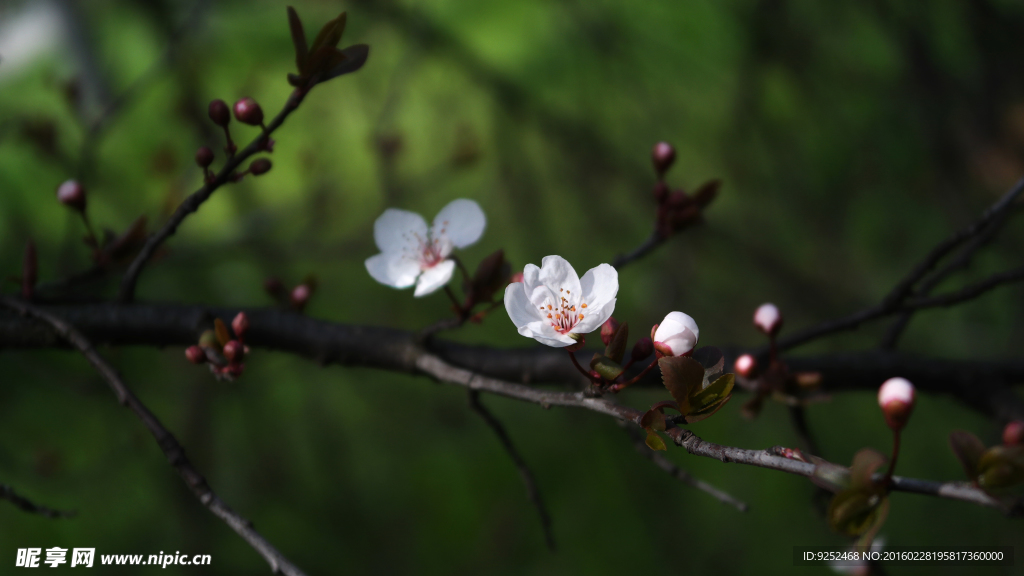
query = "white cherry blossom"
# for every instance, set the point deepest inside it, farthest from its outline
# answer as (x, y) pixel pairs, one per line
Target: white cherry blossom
(678, 332)
(412, 254)
(553, 304)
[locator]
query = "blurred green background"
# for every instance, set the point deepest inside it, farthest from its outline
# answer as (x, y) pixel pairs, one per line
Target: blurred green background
(850, 136)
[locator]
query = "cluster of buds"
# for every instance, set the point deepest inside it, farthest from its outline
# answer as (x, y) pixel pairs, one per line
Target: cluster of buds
(223, 354)
(247, 111)
(677, 209)
(294, 299)
(775, 378)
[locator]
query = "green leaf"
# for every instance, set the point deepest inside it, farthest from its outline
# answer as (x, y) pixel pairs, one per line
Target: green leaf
(617, 345)
(604, 366)
(681, 375)
(222, 332)
(298, 40)
(1001, 467)
(654, 442)
(856, 512)
(968, 449)
(705, 402)
(865, 462)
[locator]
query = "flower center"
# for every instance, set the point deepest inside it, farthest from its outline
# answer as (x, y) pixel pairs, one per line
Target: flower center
(566, 314)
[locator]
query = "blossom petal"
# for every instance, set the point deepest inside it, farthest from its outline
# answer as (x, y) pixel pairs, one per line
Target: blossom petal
(434, 277)
(679, 332)
(543, 332)
(462, 222)
(538, 293)
(519, 307)
(396, 230)
(560, 278)
(594, 317)
(393, 269)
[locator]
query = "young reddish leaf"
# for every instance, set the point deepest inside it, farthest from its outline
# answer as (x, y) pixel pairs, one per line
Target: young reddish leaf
(605, 367)
(706, 411)
(654, 442)
(299, 40)
(222, 332)
(208, 339)
(680, 375)
(491, 275)
(968, 450)
(712, 360)
(706, 193)
(355, 57)
(330, 34)
(865, 462)
(616, 348)
(653, 420)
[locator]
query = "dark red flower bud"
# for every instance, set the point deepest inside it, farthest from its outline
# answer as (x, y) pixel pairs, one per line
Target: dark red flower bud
(234, 351)
(745, 366)
(204, 157)
(642, 349)
(195, 355)
(608, 330)
(219, 113)
(1013, 434)
(247, 111)
(259, 166)
(300, 295)
(72, 194)
(663, 155)
(240, 325)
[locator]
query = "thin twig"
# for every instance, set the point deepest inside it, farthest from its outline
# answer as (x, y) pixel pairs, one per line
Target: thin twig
(532, 491)
(798, 416)
(896, 301)
(661, 461)
(648, 246)
(168, 443)
(8, 493)
(196, 199)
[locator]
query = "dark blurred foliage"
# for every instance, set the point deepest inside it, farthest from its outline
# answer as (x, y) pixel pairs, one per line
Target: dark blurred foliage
(849, 136)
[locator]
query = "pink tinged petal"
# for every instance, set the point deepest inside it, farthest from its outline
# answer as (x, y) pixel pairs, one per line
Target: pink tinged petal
(396, 230)
(673, 323)
(520, 310)
(434, 277)
(542, 332)
(461, 223)
(896, 389)
(681, 342)
(392, 269)
(559, 276)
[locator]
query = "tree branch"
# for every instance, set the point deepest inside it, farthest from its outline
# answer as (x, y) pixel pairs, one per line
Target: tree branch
(168, 443)
(532, 491)
(769, 459)
(982, 385)
(8, 493)
(194, 201)
(662, 461)
(648, 246)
